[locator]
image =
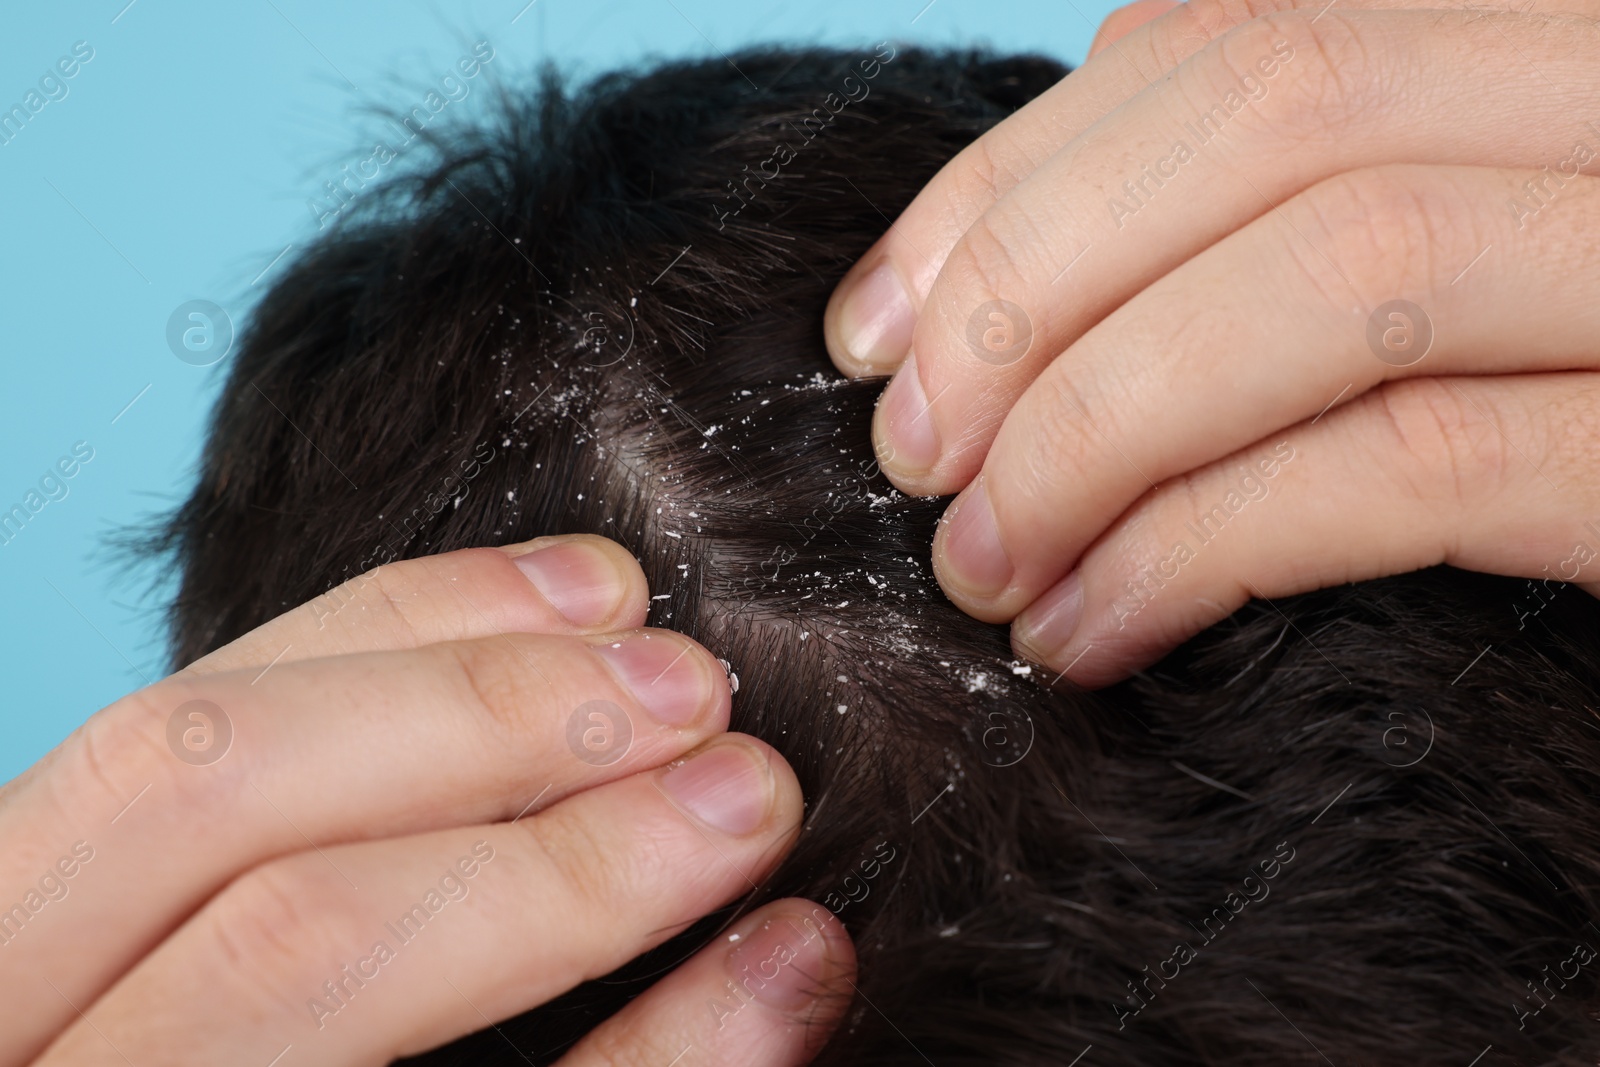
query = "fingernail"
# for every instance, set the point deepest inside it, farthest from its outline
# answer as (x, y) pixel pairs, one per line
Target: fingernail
(578, 579)
(876, 319)
(975, 560)
(908, 423)
(727, 786)
(1049, 623)
(785, 963)
(665, 674)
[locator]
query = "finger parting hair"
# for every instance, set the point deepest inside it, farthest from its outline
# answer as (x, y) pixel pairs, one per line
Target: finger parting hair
(1307, 835)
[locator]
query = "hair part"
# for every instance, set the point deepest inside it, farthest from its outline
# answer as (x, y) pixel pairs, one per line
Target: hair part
(599, 312)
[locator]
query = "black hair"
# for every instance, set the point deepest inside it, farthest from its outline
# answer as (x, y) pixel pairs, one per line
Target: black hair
(1356, 826)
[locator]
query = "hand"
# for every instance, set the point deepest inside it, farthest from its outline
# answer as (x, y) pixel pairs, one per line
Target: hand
(427, 801)
(1267, 296)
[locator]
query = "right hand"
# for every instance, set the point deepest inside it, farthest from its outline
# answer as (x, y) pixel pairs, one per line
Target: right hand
(208, 859)
(1280, 208)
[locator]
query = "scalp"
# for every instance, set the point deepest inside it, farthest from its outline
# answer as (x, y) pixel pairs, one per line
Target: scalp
(567, 281)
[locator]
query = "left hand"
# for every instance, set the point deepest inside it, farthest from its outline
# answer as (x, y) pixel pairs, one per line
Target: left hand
(1172, 318)
(472, 773)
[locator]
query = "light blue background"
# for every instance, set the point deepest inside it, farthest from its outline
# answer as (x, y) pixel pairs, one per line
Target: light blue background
(178, 167)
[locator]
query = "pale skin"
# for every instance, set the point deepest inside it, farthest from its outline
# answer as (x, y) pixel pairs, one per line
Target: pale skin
(412, 739)
(1198, 315)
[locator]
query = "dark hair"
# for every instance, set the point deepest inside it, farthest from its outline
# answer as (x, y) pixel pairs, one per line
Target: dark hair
(1357, 825)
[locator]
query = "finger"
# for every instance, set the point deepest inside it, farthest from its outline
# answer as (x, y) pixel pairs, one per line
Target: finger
(178, 788)
(767, 993)
(571, 584)
(1488, 474)
(369, 952)
(1270, 326)
(1289, 100)
(1125, 19)
(579, 584)
(871, 314)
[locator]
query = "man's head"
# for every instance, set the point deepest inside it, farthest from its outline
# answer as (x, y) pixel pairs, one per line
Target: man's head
(602, 314)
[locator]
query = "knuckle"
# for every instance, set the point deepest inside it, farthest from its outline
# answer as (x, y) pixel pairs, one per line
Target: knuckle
(1326, 82)
(982, 266)
(104, 758)
(274, 923)
(583, 863)
(122, 749)
(987, 175)
(1069, 430)
(1206, 21)
(994, 164)
(412, 600)
(1451, 445)
(1378, 230)
(396, 588)
(499, 679)
(1188, 492)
